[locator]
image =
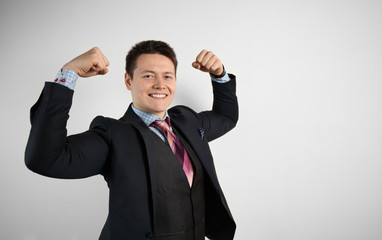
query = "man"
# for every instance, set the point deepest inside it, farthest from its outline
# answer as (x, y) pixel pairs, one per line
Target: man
(156, 160)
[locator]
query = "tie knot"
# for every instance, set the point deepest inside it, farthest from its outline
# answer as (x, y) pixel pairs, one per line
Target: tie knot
(163, 125)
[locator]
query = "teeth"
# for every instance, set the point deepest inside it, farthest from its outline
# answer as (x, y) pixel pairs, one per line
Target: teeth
(158, 95)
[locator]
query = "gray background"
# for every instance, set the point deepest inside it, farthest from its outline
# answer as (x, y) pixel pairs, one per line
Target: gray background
(305, 160)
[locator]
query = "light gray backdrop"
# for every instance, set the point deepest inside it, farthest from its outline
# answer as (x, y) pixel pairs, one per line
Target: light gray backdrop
(305, 160)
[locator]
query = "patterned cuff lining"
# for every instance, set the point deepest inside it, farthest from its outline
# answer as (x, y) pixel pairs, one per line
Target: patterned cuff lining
(67, 78)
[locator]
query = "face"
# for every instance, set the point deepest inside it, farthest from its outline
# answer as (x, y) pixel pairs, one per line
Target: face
(153, 84)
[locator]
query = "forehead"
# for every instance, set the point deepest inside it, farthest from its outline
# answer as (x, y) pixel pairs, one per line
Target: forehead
(154, 62)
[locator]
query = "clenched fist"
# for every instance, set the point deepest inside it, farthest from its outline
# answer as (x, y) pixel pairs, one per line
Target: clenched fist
(90, 63)
(207, 61)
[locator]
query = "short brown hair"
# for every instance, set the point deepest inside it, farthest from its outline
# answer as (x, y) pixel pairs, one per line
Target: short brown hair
(148, 47)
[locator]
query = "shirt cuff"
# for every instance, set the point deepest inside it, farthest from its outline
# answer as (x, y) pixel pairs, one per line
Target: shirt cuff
(223, 79)
(67, 78)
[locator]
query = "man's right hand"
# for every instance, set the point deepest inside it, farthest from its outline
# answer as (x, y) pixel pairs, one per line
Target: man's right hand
(90, 63)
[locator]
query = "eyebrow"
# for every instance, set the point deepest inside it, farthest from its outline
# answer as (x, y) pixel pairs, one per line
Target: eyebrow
(149, 71)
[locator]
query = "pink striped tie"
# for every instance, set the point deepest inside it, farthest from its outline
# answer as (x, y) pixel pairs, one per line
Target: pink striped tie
(176, 147)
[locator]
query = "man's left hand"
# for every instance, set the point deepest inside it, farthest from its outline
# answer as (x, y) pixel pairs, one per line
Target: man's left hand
(207, 61)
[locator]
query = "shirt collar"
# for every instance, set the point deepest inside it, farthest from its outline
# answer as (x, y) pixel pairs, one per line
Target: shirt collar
(146, 117)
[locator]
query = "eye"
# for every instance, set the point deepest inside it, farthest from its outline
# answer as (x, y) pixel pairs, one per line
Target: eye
(169, 77)
(148, 76)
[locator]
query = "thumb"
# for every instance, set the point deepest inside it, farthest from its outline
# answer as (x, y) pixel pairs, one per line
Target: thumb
(104, 71)
(99, 70)
(196, 65)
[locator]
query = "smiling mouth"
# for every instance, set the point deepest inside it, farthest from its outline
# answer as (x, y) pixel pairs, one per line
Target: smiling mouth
(158, 95)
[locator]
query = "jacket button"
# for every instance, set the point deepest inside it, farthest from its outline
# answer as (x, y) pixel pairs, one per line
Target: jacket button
(149, 235)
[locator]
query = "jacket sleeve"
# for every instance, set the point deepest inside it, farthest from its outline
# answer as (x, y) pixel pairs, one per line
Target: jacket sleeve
(225, 110)
(50, 152)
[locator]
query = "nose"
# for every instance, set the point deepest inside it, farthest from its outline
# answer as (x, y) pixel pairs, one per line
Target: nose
(159, 83)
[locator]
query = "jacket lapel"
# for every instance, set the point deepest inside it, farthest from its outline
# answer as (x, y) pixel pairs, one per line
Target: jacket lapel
(131, 118)
(195, 137)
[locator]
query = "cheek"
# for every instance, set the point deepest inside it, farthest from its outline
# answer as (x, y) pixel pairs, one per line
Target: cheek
(139, 89)
(173, 87)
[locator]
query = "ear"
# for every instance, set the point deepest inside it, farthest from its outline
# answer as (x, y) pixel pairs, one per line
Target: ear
(128, 81)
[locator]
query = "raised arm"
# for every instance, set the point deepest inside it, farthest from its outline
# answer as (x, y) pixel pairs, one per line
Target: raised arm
(49, 150)
(225, 112)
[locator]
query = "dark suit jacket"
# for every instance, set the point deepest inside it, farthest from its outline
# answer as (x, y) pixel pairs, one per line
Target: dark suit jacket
(121, 151)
